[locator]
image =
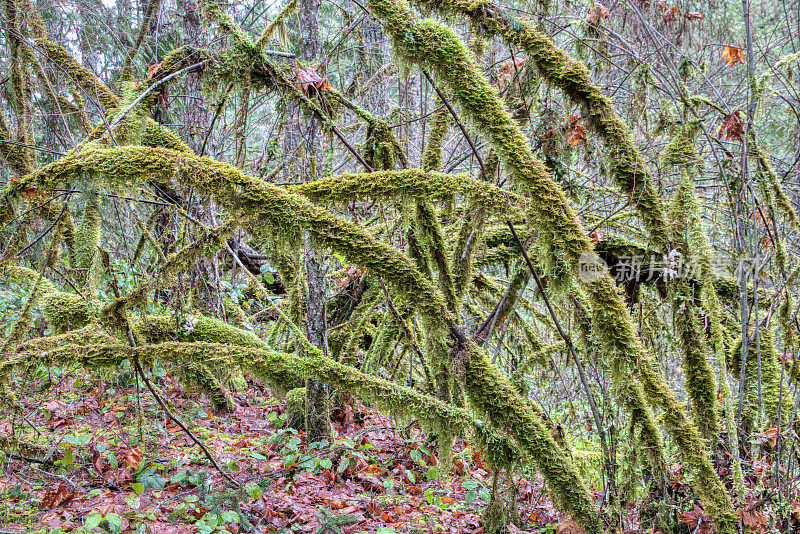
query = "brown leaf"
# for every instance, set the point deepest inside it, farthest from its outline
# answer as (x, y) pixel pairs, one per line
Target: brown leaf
(569, 527)
(732, 55)
(33, 192)
(733, 127)
(508, 70)
(132, 458)
(307, 79)
(671, 15)
(597, 13)
(97, 461)
(152, 70)
(697, 521)
(576, 132)
(753, 519)
(693, 15)
(57, 497)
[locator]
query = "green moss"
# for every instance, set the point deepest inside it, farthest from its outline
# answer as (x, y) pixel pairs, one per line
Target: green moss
(296, 408)
(555, 66)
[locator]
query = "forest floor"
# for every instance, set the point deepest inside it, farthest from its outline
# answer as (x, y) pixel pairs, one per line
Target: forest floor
(108, 470)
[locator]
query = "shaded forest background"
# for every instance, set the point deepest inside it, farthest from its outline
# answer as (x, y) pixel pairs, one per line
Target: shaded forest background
(440, 266)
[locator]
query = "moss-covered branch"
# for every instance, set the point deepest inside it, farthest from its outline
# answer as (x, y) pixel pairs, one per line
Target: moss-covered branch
(556, 66)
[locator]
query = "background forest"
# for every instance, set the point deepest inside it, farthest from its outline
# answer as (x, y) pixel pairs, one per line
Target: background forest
(379, 266)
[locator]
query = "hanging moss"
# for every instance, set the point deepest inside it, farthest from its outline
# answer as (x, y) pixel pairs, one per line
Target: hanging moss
(555, 66)
(689, 240)
(87, 236)
(432, 157)
(296, 408)
(759, 417)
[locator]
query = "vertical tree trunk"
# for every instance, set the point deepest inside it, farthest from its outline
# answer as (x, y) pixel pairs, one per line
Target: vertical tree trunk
(318, 424)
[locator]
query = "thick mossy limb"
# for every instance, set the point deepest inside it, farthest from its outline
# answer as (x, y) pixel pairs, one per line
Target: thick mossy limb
(760, 403)
(699, 378)
(626, 165)
(199, 376)
(280, 369)
(63, 311)
(436, 46)
(296, 408)
(619, 339)
(689, 240)
(491, 393)
(413, 183)
(430, 230)
(87, 235)
(250, 199)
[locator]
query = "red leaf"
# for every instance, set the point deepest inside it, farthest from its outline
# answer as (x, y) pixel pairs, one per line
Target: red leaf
(733, 127)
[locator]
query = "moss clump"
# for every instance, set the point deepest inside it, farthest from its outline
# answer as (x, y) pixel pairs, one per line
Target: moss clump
(296, 408)
(498, 515)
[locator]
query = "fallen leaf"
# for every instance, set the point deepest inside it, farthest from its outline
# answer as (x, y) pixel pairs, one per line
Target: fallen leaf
(697, 521)
(569, 527)
(132, 458)
(753, 519)
(57, 497)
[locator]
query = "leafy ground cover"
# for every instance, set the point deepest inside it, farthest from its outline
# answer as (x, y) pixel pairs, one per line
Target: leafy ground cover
(113, 463)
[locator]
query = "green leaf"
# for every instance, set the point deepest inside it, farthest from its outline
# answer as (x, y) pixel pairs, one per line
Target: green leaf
(138, 488)
(470, 484)
(93, 520)
(254, 490)
(344, 463)
(258, 456)
(114, 522)
(230, 517)
(326, 463)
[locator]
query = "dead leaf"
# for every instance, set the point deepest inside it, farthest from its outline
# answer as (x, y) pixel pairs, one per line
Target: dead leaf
(132, 458)
(576, 133)
(152, 70)
(307, 79)
(508, 70)
(569, 527)
(733, 127)
(693, 15)
(732, 55)
(753, 519)
(57, 497)
(597, 13)
(697, 521)
(671, 15)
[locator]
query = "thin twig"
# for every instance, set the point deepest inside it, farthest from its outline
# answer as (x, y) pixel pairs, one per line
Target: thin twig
(180, 423)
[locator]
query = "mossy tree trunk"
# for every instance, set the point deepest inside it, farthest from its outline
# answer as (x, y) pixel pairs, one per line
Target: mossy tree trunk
(318, 424)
